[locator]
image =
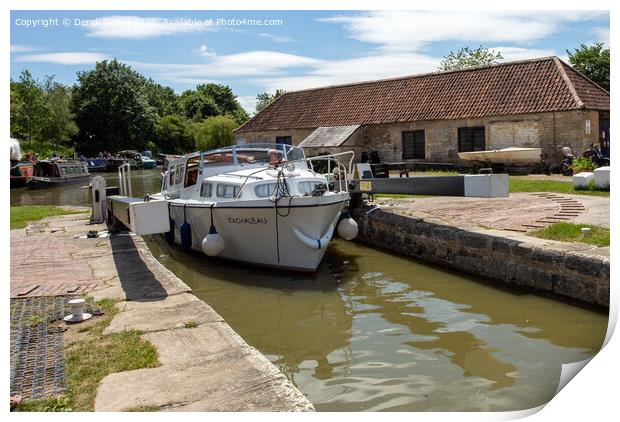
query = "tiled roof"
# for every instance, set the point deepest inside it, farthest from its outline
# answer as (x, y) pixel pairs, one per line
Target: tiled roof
(531, 86)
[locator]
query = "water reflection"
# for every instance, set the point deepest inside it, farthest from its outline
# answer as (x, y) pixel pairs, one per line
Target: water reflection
(378, 332)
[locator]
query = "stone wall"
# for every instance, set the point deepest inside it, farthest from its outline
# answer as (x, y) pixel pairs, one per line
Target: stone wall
(568, 274)
(549, 131)
(269, 136)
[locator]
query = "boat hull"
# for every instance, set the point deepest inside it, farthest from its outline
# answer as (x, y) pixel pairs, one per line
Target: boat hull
(291, 237)
(511, 156)
(48, 182)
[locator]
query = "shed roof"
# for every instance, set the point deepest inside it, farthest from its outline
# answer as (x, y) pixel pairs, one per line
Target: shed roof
(530, 86)
(329, 136)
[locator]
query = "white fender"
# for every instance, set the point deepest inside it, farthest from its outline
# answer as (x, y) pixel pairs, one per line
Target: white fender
(315, 243)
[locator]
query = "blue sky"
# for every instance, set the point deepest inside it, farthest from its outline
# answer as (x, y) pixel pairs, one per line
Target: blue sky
(297, 50)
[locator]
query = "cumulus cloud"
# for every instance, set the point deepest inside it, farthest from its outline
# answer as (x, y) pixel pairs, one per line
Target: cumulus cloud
(136, 27)
(412, 30)
(276, 38)
(204, 51)
(68, 58)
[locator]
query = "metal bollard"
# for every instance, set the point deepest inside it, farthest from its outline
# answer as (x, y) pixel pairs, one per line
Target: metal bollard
(98, 189)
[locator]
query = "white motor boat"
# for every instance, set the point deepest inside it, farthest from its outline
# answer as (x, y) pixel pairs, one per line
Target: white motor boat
(510, 156)
(263, 204)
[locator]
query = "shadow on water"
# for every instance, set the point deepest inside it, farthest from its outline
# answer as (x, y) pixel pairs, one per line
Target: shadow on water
(137, 280)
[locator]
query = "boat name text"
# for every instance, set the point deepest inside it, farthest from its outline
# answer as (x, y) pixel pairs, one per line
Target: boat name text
(247, 220)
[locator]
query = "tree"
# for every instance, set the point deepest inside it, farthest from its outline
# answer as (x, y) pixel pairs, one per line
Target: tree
(29, 108)
(111, 109)
(465, 58)
(197, 106)
(215, 132)
(593, 62)
(161, 98)
(266, 98)
(209, 100)
(174, 135)
(59, 126)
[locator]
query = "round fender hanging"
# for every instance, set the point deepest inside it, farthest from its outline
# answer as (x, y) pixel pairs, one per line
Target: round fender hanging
(186, 232)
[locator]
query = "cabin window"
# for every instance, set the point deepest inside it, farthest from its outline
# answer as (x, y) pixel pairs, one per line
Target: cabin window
(414, 145)
(227, 191)
(265, 190)
(471, 139)
(287, 140)
(206, 190)
(179, 174)
(306, 187)
(171, 174)
(63, 170)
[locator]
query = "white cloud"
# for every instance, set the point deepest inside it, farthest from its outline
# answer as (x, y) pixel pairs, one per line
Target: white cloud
(412, 30)
(519, 53)
(277, 38)
(137, 27)
(247, 64)
(248, 103)
(22, 48)
(204, 51)
(69, 58)
(602, 35)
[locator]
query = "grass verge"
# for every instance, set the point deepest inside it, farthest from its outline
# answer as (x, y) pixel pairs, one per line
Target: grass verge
(21, 216)
(569, 232)
(90, 359)
(519, 184)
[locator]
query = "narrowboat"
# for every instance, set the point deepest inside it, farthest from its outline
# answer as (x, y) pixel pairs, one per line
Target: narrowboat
(48, 173)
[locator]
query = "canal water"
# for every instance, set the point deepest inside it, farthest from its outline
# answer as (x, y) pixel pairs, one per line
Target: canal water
(374, 331)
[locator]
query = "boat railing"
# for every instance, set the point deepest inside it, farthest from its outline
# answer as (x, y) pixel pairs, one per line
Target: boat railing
(124, 179)
(340, 176)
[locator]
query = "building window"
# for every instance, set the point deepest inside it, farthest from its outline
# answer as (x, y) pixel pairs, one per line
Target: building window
(288, 140)
(471, 139)
(414, 145)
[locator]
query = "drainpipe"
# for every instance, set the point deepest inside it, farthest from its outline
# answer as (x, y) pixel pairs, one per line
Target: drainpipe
(555, 146)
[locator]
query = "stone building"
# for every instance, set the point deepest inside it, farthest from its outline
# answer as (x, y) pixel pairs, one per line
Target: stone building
(542, 103)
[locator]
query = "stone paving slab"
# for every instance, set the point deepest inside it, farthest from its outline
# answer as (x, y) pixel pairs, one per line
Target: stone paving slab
(519, 212)
(239, 380)
(162, 314)
(188, 344)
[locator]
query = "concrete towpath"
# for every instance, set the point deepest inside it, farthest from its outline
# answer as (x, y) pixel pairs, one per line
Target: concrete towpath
(204, 364)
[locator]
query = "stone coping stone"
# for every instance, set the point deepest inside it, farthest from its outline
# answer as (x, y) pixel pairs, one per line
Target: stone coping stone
(162, 314)
(239, 380)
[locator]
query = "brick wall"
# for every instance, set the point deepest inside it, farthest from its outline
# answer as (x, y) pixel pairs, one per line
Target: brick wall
(549, 131)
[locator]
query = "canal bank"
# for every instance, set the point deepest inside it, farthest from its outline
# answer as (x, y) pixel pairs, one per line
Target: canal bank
(203, 364)
(505, 255)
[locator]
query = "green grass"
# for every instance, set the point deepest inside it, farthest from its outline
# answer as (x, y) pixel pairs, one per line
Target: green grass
(569, 232)
(21, 216)
(520, 184)
(191, 324)
(90, 359)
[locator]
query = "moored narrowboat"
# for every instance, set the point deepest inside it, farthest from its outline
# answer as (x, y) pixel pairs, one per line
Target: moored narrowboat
(54, 173)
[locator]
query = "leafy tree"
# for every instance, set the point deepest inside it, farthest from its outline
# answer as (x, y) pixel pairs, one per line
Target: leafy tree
(111, 109)
(465, 58)
(592, 61)
(162, 98)
(60, 126)
(175, 135)
(215, 132)
(29, 108)
(209, 100)
(197, 106)
(266, 98)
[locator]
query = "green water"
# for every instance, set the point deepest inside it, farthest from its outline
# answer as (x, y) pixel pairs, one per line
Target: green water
(373, 331)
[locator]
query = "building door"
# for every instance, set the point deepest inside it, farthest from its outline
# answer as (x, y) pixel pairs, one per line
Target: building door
(414, 145)
(603, 124)
(287, 140)
(471, 139)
